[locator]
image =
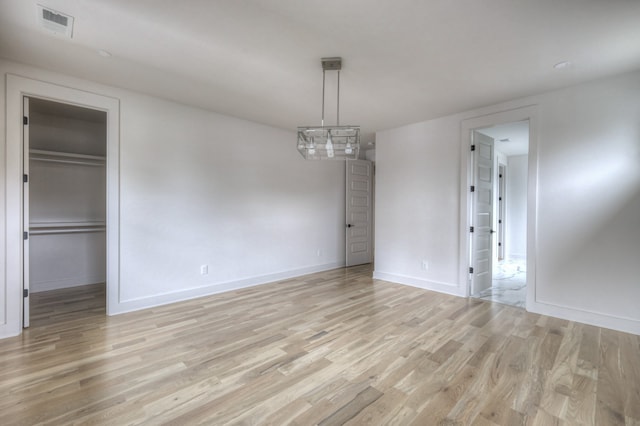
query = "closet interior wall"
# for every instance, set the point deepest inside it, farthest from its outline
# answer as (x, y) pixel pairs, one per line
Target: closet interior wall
(67, 195)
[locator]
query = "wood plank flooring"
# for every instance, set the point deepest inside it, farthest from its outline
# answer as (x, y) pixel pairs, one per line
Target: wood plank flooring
(330, 348)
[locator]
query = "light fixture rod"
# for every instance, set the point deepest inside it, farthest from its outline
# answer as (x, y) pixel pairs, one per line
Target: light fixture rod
(323, 74)
(331, 64)
(338, 107)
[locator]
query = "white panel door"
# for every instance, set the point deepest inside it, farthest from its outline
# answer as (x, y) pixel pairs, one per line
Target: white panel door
(482, 235)
(25, 217)
(359, 210)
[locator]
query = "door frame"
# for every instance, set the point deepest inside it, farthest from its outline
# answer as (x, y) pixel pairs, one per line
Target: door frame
(466, 167)
(17, 88)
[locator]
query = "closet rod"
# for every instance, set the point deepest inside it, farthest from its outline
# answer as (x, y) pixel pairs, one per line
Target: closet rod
(52, 160)
(66, 154)
(65, 231)
(75, 224)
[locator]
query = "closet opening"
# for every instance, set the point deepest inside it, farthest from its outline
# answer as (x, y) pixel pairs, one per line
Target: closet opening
(64, 200)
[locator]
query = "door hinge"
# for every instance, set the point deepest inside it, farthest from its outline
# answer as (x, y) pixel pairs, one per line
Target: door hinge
(500, 221)
(25, 120)
(25, 292)
(471, 269)
(499, 244)
(473, 188)
(25, 235)
(25, 178)
(499, 198)
(473, 147)
(471, 229)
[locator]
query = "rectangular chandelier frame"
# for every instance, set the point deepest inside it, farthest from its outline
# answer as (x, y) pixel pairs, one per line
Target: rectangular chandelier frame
(329, 142)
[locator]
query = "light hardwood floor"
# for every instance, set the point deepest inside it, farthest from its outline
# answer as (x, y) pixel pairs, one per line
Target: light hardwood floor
(330, 348)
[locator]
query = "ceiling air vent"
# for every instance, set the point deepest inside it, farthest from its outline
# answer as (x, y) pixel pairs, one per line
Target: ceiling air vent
(54, 21)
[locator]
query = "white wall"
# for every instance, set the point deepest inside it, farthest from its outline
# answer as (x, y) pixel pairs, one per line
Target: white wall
(60, 194)
(417, 203)
(202, 188)
(588, 202)
(66, 134)
(516, 220)
(66, 260)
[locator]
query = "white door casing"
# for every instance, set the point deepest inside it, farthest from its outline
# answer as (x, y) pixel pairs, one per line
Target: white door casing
(482, 217)
(358, 212)
(529, 113)
(17, 87)
(25, 212)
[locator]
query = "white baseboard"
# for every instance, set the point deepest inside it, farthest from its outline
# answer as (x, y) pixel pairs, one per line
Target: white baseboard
(626, 325)
(440, 287)
(597, 319)
(193, 293)
(38, 286)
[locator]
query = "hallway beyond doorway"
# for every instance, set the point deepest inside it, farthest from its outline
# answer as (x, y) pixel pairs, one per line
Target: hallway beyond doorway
(509, 285)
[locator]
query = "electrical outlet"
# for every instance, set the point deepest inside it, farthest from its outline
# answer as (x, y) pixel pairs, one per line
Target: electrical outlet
(204, 269)
(425, 265)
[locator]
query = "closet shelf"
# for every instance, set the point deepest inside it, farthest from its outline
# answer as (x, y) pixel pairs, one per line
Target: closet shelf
(43, 228)
(66, 157)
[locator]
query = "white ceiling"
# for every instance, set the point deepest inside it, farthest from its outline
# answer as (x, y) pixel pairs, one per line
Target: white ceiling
(403, 60)
(510, 138)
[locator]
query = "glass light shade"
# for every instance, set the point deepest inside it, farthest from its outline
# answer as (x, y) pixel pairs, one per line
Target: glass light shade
(329, 142)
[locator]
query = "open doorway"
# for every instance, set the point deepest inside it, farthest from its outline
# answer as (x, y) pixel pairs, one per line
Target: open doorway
(505, 204)
(65, 209)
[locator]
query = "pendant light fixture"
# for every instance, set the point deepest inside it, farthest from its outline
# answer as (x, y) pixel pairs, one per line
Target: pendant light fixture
(329, 142)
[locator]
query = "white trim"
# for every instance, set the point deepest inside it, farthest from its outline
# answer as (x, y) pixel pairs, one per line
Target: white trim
(467, 126)
(440, 287)
(597, 319)
(39, 286)
(193, 293)
(16, 88)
